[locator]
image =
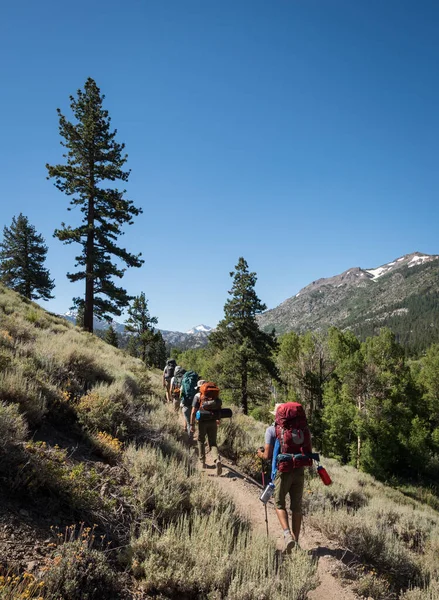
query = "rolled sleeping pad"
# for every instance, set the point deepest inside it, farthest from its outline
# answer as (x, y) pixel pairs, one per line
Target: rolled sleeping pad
(288, 457)
(213, 415)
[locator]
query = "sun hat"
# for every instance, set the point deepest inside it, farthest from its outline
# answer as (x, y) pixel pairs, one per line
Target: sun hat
(276, 406)
(200, 383)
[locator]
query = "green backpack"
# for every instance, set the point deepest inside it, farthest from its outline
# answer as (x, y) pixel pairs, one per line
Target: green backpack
(188, 387)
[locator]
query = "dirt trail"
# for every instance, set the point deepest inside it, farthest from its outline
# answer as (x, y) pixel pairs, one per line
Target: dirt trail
(246, 494)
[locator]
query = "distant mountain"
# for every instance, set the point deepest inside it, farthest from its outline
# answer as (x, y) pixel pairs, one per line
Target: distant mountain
(199, 329)
(402, 295)
(194, 338)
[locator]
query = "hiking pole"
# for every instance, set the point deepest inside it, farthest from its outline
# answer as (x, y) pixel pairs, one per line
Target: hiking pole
(265, 503)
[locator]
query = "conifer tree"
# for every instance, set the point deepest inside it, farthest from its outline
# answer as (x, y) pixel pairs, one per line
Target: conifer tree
(22, 256)
(79, 321)
(94, 160)
(141, 324)
(157, 355)
(238, 334)
(111, 337)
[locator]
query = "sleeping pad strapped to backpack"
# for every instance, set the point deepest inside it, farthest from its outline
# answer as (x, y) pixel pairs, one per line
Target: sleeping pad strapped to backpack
(294, 436)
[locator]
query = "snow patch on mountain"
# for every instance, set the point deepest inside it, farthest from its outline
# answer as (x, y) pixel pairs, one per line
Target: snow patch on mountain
(199, 329)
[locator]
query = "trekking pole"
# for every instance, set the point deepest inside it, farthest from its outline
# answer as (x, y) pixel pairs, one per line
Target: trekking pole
(265, 503)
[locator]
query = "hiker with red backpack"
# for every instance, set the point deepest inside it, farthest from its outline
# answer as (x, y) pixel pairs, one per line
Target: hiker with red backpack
(288, 445)
(206, 405)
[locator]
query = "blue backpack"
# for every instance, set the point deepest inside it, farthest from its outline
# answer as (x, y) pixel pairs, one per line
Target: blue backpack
(188, 387)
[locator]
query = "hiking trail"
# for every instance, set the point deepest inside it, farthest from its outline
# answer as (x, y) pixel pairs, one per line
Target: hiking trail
(246, 494)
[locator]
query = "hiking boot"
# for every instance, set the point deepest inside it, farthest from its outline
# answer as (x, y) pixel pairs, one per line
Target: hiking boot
(219, 468)
(290, 543)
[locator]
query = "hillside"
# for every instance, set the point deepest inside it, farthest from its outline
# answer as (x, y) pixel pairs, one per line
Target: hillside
(101, 498)
(402, 295)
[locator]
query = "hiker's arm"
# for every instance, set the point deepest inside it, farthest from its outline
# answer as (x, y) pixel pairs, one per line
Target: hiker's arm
(266, 453)
(193, 413)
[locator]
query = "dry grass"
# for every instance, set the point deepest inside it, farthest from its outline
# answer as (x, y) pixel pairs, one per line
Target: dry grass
(13, 427)
(217, 556)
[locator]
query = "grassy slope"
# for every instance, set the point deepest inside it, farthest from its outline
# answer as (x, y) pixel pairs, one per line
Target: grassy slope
(99, 497)
(85, 442)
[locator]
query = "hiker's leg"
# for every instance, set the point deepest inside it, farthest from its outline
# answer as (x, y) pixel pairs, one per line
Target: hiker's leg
(201, 441)
(296, 493)
(212, 429)
(186, 410)
(281, 488)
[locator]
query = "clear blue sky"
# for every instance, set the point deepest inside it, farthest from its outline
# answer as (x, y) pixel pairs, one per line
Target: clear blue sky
(300, 134)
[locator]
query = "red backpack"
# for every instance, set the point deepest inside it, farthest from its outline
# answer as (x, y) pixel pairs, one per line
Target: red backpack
(294, 436)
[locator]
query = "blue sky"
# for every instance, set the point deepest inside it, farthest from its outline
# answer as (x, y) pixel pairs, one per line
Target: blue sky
(302, 135)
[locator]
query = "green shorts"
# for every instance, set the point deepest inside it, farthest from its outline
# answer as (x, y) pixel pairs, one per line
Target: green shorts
(289, 483)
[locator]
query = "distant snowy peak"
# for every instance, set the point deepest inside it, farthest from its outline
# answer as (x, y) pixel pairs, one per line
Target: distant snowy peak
(199, 329)
(409, 260)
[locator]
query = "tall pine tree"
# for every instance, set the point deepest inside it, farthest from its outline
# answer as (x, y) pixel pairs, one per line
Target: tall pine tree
(141, 325)
(94, 159)
(22, 256)
(238, 334)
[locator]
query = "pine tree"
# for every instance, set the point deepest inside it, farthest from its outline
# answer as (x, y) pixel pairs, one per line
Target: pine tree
(157, 353)
(111, 337)
(238, 334)
(93, 159)
(79, 321)
(141, 324)
(22, 255)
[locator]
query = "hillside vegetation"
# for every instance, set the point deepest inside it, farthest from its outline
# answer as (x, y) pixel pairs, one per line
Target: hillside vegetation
(389, 542)
(99, 496)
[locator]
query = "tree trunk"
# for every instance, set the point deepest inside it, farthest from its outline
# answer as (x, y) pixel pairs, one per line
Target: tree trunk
(244, 391)
(28, 290)
(89, 279)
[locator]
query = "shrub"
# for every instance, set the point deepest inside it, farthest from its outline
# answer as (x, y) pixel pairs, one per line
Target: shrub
(217, 556)
(16, 388)
(78, 572)
(107, 408)
(430, 592)
(13, 428)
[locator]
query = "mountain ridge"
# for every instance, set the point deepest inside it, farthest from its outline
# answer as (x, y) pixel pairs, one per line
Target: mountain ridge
(194, 338)
(364, 300)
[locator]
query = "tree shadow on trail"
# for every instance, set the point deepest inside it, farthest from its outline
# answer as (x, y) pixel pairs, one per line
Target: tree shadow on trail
(342, 554)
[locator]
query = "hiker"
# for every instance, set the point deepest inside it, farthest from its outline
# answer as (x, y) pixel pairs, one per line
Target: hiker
(207, 400)
(175, 386)
(168, 373)
(288, 436)
(187, 392)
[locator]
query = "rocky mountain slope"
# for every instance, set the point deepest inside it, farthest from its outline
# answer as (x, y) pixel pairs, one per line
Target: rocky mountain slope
(194, 338)
(402, 295)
